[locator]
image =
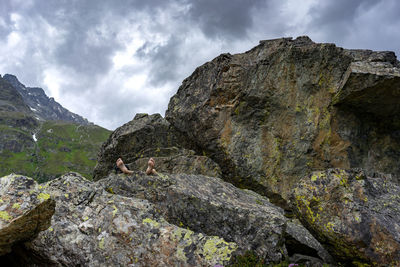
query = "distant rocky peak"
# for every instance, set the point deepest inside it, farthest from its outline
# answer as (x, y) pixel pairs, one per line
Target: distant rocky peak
(13, 80)
(42, 106)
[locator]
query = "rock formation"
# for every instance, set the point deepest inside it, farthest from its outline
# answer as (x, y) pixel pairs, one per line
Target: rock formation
(168, 220)
(92, 227)
(357, 216)
(24, 211)
(152, 136)
(313, 128)
(287, 107)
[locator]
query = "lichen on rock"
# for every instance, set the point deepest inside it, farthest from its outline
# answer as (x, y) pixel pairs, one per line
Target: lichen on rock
(354, 215)
(24, 212)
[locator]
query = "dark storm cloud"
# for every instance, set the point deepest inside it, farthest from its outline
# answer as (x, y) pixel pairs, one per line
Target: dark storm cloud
(164, 60)
(343, 12)
(358, 23)
(88, 45)
(224, 18)
(79, 21)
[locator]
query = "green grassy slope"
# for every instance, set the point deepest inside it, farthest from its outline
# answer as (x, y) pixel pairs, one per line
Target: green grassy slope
(60, 147)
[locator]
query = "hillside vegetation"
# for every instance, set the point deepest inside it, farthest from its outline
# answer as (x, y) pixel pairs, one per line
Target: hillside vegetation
(60, 147)
(34, 145)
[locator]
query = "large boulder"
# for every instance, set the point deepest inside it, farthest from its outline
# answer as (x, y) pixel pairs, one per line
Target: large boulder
(152, 136)
(356, 216)
(288, 107)
(92, 227)
(214, 207)
(25, 210)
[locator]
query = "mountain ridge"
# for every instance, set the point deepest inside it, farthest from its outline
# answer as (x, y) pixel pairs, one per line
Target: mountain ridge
(44, 107)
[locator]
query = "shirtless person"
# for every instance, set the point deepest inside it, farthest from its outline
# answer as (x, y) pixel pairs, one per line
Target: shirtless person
(150, 167)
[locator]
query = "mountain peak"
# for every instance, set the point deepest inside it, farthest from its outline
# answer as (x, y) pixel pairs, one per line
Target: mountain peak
(41, 105)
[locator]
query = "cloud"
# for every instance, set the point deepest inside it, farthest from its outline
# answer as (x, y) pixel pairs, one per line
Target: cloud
(368, 24)
(107, 60)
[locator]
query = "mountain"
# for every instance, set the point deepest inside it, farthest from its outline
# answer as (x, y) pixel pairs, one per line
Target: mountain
(41, 105)
(40, 138)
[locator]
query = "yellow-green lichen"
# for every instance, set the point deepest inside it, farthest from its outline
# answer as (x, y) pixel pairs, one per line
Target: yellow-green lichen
(5, 216)
(101, 243)
(216, 247)
(329, 226)
(115, 210)
(180, 253)
(314, 177)
(188, 235)
(110, 190)
(151, 222)
(43, 196)
(16, 206)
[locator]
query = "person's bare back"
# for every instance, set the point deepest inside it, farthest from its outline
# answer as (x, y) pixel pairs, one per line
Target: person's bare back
(149, 171)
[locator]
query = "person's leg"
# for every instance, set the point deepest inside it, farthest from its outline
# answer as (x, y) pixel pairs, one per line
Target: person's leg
(122, 167)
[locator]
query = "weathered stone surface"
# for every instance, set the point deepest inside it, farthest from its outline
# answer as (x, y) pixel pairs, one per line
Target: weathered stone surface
(288, 107)
(152, 136)
(211, 206)
(355, 216)
(24, 211)
(177, 160)
(94, 228)
(300, 243)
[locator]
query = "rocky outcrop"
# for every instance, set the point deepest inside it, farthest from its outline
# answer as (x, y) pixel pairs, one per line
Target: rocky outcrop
(165, 220)
(25, 210)
(356, 216)
(152, 136)
(213, 207)
(41, 105)
(287, 107)
(92, 227)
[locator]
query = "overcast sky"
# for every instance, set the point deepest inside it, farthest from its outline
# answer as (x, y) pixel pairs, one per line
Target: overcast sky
(110, 59)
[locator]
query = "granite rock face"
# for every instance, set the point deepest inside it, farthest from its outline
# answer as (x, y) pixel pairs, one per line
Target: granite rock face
(92, 227)
(354, 215)
(287, 107)
(24, 211)
(152, 136)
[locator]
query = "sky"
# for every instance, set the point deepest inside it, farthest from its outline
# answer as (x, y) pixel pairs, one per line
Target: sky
(107, 60)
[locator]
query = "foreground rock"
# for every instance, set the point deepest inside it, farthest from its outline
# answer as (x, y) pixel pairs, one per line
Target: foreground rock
(152, 136)
(94, 228)
(167, 220)
(287, 107)
(355, 216)
(213, 207)
(24, 211)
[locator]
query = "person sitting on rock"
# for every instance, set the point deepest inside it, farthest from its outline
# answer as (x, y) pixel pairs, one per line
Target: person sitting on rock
(149, 171)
